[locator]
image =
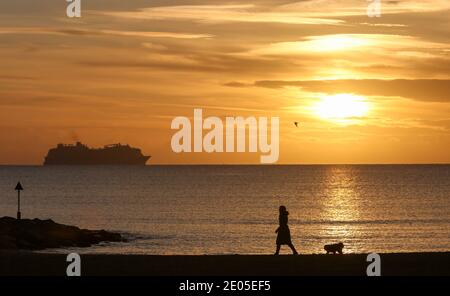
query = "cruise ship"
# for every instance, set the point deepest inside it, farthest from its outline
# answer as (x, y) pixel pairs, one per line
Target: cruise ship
(80, 154)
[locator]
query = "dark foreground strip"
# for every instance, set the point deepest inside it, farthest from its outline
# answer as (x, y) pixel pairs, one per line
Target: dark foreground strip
(220, 285)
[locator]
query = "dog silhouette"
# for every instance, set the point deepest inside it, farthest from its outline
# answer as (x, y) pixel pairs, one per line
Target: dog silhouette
(334, 248)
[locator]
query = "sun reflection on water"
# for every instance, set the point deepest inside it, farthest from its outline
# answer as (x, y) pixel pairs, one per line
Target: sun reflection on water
(341, 204)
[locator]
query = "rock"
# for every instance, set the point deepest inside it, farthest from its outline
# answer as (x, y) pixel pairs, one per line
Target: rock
(38, 234)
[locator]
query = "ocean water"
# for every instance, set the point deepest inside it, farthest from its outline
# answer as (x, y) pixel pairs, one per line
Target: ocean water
(234, 209)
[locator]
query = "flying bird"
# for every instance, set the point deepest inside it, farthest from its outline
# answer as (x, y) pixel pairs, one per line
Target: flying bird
(296, 123)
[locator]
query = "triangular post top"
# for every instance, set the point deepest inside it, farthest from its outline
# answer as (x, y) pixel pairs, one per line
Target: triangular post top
(18, 186)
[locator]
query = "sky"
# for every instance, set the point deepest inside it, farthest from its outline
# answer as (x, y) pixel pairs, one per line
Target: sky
(364, 89)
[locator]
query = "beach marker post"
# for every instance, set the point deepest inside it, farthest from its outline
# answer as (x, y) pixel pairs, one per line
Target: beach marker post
(18, 189)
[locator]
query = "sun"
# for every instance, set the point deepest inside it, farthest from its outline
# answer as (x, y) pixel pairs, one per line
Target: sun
(341, 107)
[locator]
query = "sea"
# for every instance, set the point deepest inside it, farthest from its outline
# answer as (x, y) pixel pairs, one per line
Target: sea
(233, 209)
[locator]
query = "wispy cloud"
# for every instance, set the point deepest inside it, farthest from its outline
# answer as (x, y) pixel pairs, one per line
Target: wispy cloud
(99, 32)
(15, 77)
(348, 42)
(336, 8)
(429, 90)
(220, 14)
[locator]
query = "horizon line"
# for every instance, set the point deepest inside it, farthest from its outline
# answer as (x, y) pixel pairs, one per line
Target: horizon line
(229, 164)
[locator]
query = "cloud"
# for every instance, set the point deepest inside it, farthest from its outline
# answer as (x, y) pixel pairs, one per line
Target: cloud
(429, 90)
(176, 57)
(237, 84)
(384, 25)
(220, 14)
(163, 65)
(336, 43)
(196, 63)
(337, 8)
(94, 32)
(14, 77)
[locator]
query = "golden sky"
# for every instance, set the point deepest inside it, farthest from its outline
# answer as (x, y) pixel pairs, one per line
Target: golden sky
(366, 90)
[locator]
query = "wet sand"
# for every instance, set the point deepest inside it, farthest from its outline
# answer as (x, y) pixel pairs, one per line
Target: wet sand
(27, 263)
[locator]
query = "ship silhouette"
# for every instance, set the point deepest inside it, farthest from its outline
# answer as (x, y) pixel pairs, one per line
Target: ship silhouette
(80, 154)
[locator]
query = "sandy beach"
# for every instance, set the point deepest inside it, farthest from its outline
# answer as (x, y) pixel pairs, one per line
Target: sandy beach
(29, 263)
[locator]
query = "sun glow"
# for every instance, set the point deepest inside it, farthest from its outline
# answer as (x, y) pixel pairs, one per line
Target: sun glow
(337, 42)
(341, 107)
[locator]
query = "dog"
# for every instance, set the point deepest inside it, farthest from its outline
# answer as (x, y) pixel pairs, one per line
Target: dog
(334, 248)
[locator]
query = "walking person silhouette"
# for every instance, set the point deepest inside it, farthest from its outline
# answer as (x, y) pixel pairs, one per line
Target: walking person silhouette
(283, 232)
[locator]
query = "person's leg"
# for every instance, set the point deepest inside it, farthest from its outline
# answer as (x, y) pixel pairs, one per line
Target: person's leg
(278, 249)
(294, 251)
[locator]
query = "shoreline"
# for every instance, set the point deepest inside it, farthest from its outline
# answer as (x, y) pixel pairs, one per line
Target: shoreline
(238, 164)
(25, 263)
